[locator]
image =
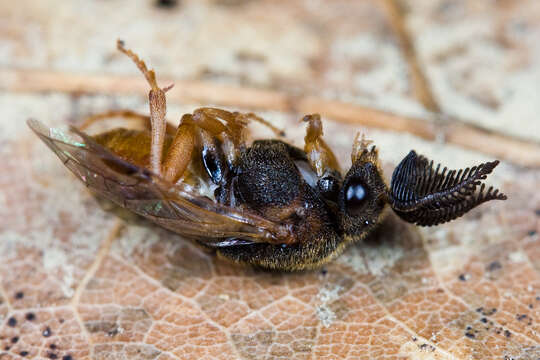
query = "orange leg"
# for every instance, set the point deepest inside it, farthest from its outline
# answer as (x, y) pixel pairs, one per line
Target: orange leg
(319, 154)
(232, 133)
(252, 116)
(173, 165)
(125, 114)
(180, 152)
(158, 109)
(199, 131)
(204, 122)
(236, 121)
(208, 119)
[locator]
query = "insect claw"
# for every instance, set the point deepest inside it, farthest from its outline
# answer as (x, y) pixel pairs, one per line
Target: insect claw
(150, 75)
(167, 88)
(312, 117)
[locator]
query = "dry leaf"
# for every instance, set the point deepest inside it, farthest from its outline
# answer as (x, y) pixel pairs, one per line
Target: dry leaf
(80, 279)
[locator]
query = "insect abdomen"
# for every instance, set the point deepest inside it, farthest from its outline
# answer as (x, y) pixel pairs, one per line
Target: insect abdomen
(132, 146)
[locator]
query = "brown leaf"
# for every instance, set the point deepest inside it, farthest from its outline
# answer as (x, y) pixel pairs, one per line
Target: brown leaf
(101, 285)
(80, 279)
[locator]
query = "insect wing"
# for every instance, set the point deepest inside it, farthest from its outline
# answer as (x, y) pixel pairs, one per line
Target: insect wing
(173, 206)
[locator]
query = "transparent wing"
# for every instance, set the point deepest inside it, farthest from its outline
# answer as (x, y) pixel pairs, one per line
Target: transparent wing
(176, 207)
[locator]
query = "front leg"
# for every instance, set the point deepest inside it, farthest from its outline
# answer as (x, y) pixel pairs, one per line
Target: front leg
(321, 158)
(219, 143)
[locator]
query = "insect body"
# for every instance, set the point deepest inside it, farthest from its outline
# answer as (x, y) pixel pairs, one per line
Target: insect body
(267, 204)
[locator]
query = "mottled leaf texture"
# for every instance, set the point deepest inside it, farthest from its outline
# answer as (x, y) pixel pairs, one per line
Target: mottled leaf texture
(424, 195)
(82, 279)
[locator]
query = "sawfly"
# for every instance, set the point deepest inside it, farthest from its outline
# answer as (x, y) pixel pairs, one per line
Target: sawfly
(268, 204)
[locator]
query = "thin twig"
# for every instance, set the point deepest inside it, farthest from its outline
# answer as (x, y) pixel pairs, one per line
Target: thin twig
(421, 88)
(521, 152)
(456, 132)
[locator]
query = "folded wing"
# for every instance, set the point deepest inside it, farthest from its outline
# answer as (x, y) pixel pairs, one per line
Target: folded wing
(176, 207)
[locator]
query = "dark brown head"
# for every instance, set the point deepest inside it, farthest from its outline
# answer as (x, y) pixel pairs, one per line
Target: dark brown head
(363, 196)
(419, 192)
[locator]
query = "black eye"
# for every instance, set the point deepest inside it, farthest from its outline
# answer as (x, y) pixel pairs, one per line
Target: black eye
(214, 165)
(355, 196)
(329, 187)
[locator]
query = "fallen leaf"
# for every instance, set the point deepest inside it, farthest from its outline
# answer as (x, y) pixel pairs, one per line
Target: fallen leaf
(80, 279)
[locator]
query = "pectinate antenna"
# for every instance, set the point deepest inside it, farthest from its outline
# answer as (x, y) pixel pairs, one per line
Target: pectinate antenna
(424, 195)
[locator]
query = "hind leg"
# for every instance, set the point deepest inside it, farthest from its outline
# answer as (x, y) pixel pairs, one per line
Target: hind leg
(204, 131)
(197, 128)
(158, 109)
(143, 120)
(254, 117)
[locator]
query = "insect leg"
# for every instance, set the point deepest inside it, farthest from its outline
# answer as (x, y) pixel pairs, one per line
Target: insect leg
(237, 121)
(197, 130)
(321, 158)
(251, 116)
(319, 154)
(232, 134)
(235, 125)
(144, 120)
(177, 159)
(209, 120)
(158, 109)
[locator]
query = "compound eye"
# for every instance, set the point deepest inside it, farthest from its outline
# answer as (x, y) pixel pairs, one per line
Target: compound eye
(214, 165)
(355, 196)
(329, 187)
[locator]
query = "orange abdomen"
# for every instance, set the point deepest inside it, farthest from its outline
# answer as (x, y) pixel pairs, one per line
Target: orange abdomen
(131, 145)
